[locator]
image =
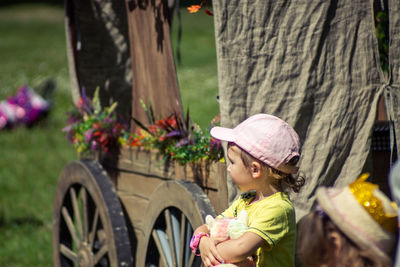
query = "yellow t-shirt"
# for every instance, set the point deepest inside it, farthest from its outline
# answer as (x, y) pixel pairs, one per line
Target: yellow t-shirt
(273, 219)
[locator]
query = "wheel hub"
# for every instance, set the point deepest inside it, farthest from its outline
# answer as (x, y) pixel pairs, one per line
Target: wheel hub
(85, 256)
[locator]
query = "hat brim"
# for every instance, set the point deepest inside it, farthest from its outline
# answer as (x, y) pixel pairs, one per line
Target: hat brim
(223, 134)
(342, 217)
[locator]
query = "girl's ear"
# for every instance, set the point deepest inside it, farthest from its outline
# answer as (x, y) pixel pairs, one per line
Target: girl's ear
(255, 169)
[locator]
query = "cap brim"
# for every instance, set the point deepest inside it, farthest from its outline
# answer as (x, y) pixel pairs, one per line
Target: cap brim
(223, 134)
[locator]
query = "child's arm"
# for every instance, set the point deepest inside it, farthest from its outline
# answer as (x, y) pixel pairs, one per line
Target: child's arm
(208, 251)
(236, 250)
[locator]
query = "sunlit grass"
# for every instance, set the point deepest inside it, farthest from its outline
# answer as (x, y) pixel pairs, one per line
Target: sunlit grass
(197, 73)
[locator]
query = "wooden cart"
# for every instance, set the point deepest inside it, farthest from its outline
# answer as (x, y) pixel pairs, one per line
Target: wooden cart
(131, 208)
(140, 211)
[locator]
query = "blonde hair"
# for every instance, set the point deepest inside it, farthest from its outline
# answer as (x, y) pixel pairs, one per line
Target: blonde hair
(314, 246)
(294, 182)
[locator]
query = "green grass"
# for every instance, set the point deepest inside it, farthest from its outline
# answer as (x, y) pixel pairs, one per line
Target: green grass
(197, 73)
(32, 49)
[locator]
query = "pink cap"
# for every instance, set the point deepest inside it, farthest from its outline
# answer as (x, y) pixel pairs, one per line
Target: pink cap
(265, 137)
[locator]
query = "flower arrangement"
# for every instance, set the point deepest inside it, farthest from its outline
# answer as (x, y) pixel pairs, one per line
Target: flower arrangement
(25, 107)
(91, 128)
(176, 139)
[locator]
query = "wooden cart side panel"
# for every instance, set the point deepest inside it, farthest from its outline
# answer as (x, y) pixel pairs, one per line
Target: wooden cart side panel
(148, 163)
(135, 207)
(219, 199)
(141, 171)
(154, 74)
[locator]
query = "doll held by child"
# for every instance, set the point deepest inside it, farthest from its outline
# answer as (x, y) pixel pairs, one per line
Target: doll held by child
(263, 152)
(351, 226)
(222, 229)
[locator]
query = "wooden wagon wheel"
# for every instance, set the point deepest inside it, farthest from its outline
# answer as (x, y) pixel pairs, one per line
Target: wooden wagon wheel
(175, 209)
(89, 227)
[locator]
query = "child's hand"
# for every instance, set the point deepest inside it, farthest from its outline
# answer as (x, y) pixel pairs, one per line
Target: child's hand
(208, 252)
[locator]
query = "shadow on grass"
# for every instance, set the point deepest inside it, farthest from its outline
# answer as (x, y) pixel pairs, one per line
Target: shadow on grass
(29, 220)
(14, 2)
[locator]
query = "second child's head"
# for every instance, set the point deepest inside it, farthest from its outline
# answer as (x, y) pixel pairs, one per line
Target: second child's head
(351, 226)
(264, 144)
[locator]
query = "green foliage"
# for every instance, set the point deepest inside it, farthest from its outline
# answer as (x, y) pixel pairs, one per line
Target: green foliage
(382, 27)
(175, 138)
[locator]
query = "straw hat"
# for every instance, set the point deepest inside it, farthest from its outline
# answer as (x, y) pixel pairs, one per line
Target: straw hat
(394, 179)
(364, 214)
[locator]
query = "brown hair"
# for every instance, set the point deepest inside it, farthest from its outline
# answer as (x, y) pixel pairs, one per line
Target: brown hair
(314, 246)
(295, 182)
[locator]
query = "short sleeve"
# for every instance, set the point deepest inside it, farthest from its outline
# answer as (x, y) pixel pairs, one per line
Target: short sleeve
(270, 223)
(230, 211)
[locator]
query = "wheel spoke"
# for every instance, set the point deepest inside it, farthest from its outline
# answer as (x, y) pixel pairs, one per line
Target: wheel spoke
(68, 253)
(177, 237)
(189, 257)
(100, 253)
(70, 225)
(92, 233)
(76, 212)
(161, 243)
(170, 237)
(182, 240)
(85, 214)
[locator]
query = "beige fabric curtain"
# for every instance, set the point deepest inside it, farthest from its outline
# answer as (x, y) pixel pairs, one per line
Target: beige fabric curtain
(394, 61)
(314, 64)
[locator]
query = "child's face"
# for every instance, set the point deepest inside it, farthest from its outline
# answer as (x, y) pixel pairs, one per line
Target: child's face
(239, 172)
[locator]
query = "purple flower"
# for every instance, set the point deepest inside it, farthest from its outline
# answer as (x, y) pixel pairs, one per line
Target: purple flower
(114, 131)
(94, 145)
(183, 142)
(108, 120)
(86, 104)
(215, 143)
(88, 135)
(174, 134)
(3, 120)
(69, 130)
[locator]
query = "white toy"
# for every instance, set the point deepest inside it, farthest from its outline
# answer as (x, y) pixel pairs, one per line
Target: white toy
(222, 229)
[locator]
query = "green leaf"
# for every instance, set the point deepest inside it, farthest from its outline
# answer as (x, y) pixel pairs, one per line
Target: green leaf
(112, 108)
(96, 101)
(153, 120)
(142, 126)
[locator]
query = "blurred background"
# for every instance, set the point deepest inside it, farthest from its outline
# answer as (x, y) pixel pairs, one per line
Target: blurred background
(32, 53)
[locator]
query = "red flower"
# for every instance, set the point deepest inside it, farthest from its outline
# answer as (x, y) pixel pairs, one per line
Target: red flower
(208, 12)
(97, 134)
(152, 129)
(103, 139)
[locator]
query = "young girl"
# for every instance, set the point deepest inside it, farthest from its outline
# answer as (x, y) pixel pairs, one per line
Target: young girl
(263, 152)
(353, 226)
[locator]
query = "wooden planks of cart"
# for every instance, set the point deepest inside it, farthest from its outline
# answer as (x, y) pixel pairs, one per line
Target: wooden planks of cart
(131, 208)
